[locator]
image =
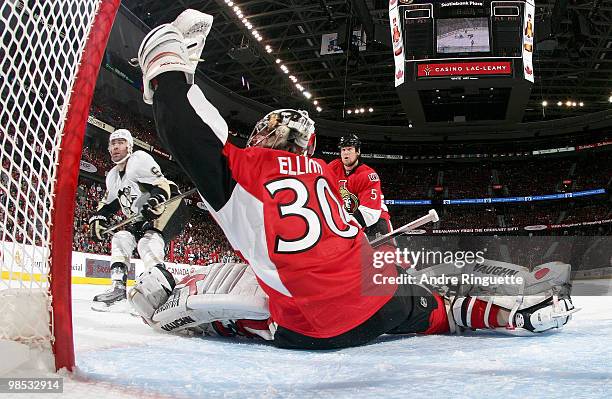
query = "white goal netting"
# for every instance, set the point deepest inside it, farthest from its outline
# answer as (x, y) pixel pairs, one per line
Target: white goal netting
(40, 55)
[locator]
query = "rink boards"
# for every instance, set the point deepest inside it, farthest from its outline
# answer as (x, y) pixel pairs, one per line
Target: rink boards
(22, 262)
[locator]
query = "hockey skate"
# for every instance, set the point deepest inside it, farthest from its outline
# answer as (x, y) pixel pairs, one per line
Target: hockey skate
(112, 300)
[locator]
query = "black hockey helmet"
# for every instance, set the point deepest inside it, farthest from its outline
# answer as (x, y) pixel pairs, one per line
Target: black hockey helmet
(350, 140)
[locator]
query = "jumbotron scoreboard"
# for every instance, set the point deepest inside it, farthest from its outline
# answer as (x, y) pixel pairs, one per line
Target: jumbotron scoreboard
(463, 61)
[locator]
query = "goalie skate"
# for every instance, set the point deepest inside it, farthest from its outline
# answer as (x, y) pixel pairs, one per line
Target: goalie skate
(551, 314)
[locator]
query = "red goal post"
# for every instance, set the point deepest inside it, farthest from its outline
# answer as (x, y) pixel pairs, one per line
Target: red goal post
(50, 56)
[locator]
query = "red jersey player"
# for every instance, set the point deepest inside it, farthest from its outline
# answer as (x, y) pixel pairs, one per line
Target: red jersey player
(279, 208)
(360, 189)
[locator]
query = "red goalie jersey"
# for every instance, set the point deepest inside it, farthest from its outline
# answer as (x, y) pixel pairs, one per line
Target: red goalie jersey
(282, 212)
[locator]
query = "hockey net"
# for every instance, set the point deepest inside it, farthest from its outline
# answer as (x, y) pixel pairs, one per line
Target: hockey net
(50, 55)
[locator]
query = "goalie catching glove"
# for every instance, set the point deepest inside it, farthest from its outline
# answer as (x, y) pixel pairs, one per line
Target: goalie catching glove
(173, 47)
(97, 224)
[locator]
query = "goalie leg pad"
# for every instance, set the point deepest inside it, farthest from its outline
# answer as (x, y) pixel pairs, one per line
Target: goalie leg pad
(523, 303)
(228, 293)
(263, 329)
(535, 315)
(471, 312)
(152, 289)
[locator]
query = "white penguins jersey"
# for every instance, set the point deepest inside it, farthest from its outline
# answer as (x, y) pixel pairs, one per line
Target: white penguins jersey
(130, 186)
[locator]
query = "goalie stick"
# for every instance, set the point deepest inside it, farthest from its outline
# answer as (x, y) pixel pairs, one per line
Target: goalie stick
(432, 216)
(138, 218)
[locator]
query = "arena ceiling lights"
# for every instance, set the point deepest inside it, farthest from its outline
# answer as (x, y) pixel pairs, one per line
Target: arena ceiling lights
(249, 26)
(359, 110)
(568, 103)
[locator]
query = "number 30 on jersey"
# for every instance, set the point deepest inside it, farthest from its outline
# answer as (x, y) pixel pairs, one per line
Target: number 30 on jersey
(311, 217)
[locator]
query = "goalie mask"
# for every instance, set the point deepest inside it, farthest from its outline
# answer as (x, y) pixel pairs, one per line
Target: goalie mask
(285, 129)
(121, 134)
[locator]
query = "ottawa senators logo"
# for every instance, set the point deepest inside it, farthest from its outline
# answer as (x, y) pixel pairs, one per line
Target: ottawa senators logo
(351, 202)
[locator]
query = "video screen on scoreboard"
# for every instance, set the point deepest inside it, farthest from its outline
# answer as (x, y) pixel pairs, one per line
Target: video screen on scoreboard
(462, 35)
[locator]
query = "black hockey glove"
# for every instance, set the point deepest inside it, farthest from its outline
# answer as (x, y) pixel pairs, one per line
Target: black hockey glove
(154, 207)
(97, 224)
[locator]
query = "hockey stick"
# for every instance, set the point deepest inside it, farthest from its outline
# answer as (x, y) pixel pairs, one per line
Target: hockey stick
(138, 218)
(432, 216)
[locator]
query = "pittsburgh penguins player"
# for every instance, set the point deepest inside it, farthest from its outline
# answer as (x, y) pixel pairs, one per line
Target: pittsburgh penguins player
(135, 185)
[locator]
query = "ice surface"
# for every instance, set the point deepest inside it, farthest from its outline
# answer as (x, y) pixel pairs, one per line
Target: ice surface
(118, 356)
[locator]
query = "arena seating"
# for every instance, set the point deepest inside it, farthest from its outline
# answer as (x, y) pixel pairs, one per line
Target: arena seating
(202, 241)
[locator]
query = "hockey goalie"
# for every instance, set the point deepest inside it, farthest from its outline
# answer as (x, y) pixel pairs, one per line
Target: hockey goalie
(309, 279)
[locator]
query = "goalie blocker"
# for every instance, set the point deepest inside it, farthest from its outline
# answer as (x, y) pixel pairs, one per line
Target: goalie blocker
(226, 300)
